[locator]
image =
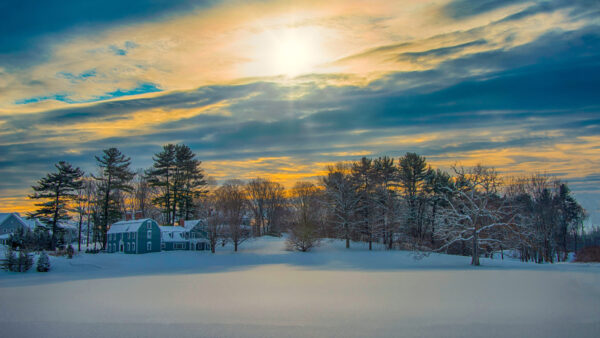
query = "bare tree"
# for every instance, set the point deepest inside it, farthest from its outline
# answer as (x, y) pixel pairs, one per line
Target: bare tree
(304, 228)
(230, 203)
(266, 200)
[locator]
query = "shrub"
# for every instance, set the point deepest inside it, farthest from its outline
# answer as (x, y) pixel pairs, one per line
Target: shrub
(302, 238)
(17, 263)
(43, 262)
(588, 254)
(70, 251)
(10, 260)
(24, 261)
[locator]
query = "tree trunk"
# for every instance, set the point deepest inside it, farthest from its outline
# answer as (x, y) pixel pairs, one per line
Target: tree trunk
(79, 237)
(347, 237)
(475, 258)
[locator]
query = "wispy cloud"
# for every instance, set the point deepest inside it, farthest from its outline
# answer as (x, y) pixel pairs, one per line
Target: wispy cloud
(509, 83)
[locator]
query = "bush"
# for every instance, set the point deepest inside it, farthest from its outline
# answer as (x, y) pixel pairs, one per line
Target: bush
(43, 262)
(588, 254)
(70, 251)
(24, 261)
(302, 238)
(10, 260)
(17, 263)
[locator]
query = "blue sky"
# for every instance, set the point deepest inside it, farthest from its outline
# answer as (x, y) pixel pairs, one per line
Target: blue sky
(283, 88)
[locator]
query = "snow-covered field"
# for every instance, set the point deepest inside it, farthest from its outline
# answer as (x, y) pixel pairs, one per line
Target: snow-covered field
(265, 291)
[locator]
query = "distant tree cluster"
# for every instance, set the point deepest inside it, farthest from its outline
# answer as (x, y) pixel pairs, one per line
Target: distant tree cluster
(397, 205)
(469, 211)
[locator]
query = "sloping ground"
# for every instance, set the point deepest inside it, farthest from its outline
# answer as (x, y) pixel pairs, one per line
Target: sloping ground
(265, 291)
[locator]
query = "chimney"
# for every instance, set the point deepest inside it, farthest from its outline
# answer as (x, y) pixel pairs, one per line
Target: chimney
(182, 222)
(128, 215)
(138, 215)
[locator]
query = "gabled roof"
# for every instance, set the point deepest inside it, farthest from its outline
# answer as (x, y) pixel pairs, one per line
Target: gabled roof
(33, 223)
(190, 224)
(127, 226)
(172, 233)
(5, 216)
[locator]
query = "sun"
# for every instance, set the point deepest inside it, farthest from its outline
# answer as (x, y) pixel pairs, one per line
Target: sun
(286, 52)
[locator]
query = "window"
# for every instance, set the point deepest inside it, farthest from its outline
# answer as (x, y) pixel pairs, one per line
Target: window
(149, 246)
(132, 246)
(133, 234)
(128, 247)
(126, 235)
(163, 245)
(149, 234)
(149, 225)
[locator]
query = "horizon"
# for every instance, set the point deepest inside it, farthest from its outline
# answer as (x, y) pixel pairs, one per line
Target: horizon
(280, 89)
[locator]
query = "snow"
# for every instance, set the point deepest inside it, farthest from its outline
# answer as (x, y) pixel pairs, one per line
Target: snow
(265, 291)
(172, 233)
(126, 226)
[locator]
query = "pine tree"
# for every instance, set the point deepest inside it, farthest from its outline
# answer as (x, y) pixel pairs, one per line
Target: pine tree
(178, 173)
(364, 178)
(412, 174)
(161, 176)
(58, 189)
(10, 260)
(43, 262)
(189, 181)
(386, 179)
(24, 261)
(116, 177)
(343, 200)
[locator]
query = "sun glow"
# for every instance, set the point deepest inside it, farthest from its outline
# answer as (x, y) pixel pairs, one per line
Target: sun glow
(286, 51)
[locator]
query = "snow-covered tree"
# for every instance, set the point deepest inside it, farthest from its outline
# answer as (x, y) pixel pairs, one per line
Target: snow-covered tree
(475, 213)
(342, 199)
(43, 262)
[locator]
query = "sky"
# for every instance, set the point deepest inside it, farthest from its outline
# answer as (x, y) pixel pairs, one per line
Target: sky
(283, 88)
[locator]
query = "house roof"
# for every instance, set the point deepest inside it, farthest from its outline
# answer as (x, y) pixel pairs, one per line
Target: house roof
(127, 226)
(190, 224)
(172, 233)
(5, 216)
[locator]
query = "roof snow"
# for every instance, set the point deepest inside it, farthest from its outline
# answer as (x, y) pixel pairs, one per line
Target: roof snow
(127, 226)
(172, 233)
(189, 224)
(24, 222)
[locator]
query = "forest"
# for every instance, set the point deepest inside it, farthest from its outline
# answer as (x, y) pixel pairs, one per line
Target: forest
(403, 204)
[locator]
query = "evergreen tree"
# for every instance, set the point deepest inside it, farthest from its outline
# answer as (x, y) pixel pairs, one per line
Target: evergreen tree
(161, 176)
(343, 201)
(363, 173)
(24, 261)
(189, 181)
(115, 177)
(58, 189)
(412, 174)
(43, 262)
(10, 260)
(386, 180)
(177, 172)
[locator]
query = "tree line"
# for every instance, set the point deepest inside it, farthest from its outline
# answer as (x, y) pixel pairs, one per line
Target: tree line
(404, 204)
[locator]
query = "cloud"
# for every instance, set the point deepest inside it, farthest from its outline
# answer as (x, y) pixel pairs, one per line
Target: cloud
(511, 84)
